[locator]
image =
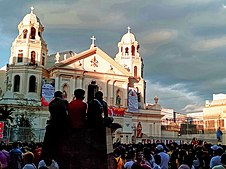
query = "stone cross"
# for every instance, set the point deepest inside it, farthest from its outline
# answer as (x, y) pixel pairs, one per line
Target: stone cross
(32, 10)
(128, 29)
(93, 40)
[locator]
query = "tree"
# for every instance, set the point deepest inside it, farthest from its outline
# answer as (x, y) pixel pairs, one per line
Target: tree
(25, 131)
(7, 118)
(6, 113)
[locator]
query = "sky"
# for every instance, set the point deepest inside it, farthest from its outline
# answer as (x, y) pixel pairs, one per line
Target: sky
(182, 42)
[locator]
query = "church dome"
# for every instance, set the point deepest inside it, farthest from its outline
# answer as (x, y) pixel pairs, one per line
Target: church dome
(31, 18)
(128, 38)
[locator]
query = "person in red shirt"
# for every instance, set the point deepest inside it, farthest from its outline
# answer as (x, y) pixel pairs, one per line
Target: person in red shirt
(77, 110)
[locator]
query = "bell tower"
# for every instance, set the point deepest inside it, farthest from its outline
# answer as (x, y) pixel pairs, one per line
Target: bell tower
(28, 59)
(128, 56)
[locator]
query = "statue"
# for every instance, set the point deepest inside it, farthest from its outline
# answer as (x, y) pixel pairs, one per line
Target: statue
(57, 57)
(139, 130)
(118, 100)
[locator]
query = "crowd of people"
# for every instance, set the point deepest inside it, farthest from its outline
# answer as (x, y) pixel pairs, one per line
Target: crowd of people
(77, 115)
(197, 155)
(23, 155)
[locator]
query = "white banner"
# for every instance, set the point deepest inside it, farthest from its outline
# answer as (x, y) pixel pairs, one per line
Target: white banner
(127, 125)
(132, 101)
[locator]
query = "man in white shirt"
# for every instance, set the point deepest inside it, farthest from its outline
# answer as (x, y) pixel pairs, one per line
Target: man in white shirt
(216, 159)
(164, 157)
(48, 162)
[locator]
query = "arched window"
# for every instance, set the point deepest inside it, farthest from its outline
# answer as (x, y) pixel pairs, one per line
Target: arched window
(33, 57)
(135, 71)
(16, 86)
(118, 97)
(133, 50)
(32, 84)
(43, 59)
(33, 32)
(25, 33)
(127, 50)
(65, 91)
(20, 56)
(121, 49)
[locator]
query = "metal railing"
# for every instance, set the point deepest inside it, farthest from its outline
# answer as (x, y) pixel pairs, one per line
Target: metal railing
(24, 134)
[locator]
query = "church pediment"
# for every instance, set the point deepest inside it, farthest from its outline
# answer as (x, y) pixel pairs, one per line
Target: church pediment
(93, 60)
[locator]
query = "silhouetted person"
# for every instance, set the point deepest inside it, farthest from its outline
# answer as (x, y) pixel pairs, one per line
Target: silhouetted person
(97, 110)
(57, 126)
(77, 110)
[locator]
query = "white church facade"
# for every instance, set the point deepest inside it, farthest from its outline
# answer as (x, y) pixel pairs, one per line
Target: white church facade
(31, 70)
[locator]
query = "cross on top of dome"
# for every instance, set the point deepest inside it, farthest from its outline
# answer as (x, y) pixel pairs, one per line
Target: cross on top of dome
(32, 9)
(128, 29)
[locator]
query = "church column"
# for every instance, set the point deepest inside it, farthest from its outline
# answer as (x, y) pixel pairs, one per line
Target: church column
(107, 91)
(26, 56)
(125, 94)
(57, 82)
(111, 92)
(23, 83)
(74, 84)
(80, 82)
(72, 88)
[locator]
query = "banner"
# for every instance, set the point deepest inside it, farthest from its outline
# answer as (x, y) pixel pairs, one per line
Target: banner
(127, 125)
(48, 89)
(114, 111)
(1, 129)
(132, 101)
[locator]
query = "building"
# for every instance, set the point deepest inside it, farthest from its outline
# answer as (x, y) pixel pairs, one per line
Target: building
(214, 113)
(32, 76)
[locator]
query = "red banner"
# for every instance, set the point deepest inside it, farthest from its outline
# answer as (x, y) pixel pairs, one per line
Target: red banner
(1, 126)
(114, 111)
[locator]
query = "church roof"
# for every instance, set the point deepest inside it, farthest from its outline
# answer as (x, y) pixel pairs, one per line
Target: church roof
(63, 55)
(87, 53)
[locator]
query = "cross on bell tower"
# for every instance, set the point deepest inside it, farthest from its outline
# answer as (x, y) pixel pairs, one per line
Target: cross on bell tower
(32, 10)
(128, 29)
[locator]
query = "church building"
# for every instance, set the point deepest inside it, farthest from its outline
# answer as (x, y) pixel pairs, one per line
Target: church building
(32, 77)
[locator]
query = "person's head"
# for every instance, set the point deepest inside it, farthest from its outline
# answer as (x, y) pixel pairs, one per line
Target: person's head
(15, 144)
(58, 94)
(147, 153)
(219, 151)
(48, 160)
(99, 95)
(160, 148)
(43, 167)
(139, 156)
(28, 158)
(130, 155)
(117, 152)
(157, 159)
(223, 158)
(79, 94)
